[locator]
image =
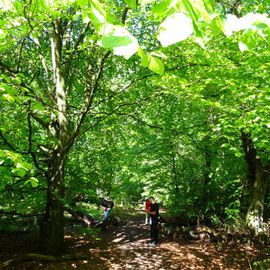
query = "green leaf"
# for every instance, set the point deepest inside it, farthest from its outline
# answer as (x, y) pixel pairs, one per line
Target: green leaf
(251, 21)
(156, 65)
(159, 54)
(131, 3)
(19, 171)
(242, 46)
(97, 14)
(9, 98)
(189, 8)
(162, 8)
(2, 34)
(33, 181)
(38, 107)
(249, 40)
(111, 41)
(144, 57)
(209, 5)
(119, 39)
(82, 3)
(175, 28)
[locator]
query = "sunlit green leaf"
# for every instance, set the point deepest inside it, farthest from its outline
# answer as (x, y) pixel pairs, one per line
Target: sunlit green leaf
(19, 171)
(175, 28)
(8, 97)
(162, 7)
(131, 3)
(144, 57)
(156, 65)
(111, 41)
(120, 40)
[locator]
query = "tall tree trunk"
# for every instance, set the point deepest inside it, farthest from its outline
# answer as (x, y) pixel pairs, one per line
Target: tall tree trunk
(52, 232)
(258, 178)
(254, 217)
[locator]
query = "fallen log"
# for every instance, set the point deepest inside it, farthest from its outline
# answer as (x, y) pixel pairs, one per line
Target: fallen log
(85, 218)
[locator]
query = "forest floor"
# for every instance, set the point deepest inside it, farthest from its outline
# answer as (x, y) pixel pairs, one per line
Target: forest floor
(126, 247)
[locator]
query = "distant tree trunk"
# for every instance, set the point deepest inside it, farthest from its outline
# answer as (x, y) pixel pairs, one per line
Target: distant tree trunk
(175, 176)
(52, 231)
(206, 180)
(205, 192)
(258, 178)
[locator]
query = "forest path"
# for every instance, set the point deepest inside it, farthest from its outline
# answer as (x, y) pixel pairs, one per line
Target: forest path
(126, 247)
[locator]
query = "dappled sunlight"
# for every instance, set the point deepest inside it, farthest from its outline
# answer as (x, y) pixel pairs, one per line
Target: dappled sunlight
(126, 247)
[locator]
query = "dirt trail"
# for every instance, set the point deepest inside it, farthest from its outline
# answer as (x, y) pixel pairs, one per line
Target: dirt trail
(125, 247)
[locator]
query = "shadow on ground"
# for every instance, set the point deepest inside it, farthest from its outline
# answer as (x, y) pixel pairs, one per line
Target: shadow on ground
(126, 247)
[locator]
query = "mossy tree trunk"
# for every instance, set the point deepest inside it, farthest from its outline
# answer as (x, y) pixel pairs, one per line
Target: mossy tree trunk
(52, 233)
(258, 178)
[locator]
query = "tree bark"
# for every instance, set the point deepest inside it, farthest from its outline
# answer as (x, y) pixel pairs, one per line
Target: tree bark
(258, 178)
(52, 229)
(254, 217)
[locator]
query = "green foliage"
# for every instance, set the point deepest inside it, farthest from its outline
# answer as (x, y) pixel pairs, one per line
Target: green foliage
(261, 265)
(164, 120)
(131, 3)
(16, 224)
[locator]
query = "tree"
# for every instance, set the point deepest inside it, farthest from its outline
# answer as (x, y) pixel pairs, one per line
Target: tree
(57, 87)
(57, 80)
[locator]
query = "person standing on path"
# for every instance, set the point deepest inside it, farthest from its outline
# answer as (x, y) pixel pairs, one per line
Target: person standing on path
(154, 213)
(147, 209)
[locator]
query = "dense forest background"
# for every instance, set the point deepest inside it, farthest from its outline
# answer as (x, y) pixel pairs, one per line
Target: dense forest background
(125, 100)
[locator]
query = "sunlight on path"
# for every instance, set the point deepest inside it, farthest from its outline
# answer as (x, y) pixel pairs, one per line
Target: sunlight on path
(127, 248)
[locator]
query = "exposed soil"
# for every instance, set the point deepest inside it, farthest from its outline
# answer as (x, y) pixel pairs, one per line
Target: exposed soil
(126, 247)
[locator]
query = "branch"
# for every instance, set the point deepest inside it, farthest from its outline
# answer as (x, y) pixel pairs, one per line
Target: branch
(145, 123)
(88, 102)
(107, 114)
(40, 121)
(94, 89)
(6, 142)
(187, 65)
(20, 55)
(41, 56)
(81, 216)
(127, 86)
(174, 131)
(7, 69)
(124, 16)
(26, 16)
(30, 148)
(115, 94)
(75, 49)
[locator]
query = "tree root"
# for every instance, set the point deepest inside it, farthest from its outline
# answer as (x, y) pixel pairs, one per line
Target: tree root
(41, 257)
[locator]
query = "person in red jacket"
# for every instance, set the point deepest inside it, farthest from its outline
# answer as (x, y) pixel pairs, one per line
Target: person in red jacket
(154, 215)
(147, 209)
